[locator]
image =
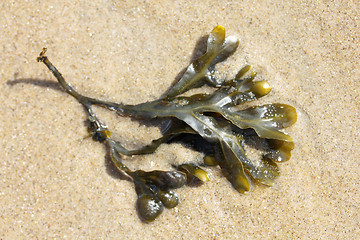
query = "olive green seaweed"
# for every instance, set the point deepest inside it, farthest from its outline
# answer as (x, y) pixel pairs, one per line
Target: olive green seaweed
(214, 117)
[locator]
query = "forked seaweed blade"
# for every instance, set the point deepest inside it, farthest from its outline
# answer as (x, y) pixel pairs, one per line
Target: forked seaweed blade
(266, 120)
(202, 69)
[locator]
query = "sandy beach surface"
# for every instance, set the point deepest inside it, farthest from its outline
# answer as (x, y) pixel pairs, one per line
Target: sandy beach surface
(56, 183)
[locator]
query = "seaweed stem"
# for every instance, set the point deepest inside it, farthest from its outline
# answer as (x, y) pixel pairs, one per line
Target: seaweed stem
(86, 101)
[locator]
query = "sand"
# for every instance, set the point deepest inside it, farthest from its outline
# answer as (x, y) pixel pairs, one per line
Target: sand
(55, 182)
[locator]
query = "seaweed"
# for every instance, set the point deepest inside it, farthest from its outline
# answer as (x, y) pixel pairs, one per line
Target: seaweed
(221, 120)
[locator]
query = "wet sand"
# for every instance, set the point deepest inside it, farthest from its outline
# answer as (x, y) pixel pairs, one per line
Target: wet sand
(55, 182)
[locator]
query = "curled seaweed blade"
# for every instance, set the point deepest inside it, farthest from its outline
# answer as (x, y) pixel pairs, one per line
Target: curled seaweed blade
(231, 145)
(280, 151)
(266, 173)
(192, 171)
(202, 69)
(233, 168)
(234, 154)
(221, 52)
(116, 159)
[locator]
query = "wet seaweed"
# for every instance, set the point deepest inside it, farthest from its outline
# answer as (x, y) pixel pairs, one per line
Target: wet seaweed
(213, 123)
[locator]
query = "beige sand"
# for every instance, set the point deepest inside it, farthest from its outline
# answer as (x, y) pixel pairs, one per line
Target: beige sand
(56, 183)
